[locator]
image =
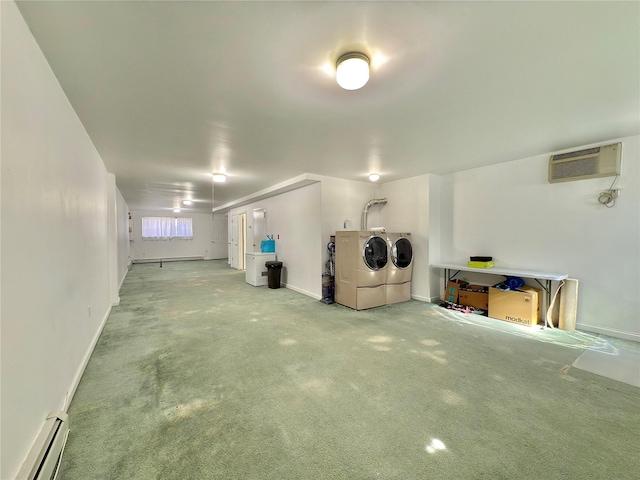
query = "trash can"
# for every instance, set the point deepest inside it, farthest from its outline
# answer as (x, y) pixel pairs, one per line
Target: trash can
(273, 273)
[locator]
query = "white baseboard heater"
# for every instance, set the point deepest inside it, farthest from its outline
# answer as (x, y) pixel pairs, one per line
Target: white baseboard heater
(167, 259)
(43, 461)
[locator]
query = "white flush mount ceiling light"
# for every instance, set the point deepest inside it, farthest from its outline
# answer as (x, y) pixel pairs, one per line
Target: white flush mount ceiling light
(186, 202)
(374, 177)
(219, 177)
(352, 70)
(176, 210)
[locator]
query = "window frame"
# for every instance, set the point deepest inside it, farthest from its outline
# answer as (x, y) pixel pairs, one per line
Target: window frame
(157, 231)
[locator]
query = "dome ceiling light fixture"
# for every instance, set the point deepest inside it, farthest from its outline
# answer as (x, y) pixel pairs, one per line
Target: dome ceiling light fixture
(352, 70)
(219, 177)
(374, 177)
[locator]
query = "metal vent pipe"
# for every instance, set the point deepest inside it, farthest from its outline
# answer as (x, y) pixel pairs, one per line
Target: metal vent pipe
(365, 210)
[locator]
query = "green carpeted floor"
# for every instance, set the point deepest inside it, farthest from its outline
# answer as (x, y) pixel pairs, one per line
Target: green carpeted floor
(199, 375)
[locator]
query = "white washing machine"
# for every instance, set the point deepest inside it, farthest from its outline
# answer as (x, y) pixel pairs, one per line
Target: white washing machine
(361, 269)
(256, 271)
(400, 268)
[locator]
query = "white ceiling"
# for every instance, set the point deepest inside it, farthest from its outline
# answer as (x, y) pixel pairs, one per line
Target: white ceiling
(171, 91)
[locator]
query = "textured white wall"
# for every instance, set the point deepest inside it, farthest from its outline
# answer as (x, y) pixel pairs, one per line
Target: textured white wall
(407, 210)
(435, 234)
(200, 245)
(295, 217)
(55, 251)
(511, 212)
(305, 219)
(112, 227)
(342, 200)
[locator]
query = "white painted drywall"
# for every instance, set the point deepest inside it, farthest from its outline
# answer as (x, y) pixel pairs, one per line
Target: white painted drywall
(407, 210)
(342, 205)
(199, 246)
(511, 212)
(435, 235)
(343, 201)
(305, 219)
(294, 217)
(112, 225)
(55, 251)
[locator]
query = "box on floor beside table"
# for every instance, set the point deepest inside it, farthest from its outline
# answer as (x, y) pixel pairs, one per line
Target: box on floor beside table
(453, 289)
(521, 306)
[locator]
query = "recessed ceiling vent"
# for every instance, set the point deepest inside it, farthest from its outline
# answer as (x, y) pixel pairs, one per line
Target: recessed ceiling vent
(603, 161)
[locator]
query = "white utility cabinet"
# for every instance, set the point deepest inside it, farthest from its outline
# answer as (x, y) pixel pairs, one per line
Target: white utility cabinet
(256, 272)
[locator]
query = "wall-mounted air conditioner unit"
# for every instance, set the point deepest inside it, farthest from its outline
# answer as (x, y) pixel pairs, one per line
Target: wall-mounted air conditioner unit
(603, 161)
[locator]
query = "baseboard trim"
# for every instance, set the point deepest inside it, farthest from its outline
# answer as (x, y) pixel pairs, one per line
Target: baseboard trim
(609, 332)
(425, 299)
(299, 290)
(126, 272)
(83, 365)
(166, 259)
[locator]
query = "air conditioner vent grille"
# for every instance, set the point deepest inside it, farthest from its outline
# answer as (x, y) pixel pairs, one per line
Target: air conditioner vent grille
(578, 168)
(579, 153)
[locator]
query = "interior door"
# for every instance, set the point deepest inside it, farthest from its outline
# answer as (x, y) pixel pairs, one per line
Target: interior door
(259, 227)
(233, 234)
(229, 255)
(220, 247)
(242, 239)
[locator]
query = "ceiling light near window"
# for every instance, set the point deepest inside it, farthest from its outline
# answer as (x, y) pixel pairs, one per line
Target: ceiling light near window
(186, 202)
(352, 70)
(374, 177)
(219, 177)
(176, 210)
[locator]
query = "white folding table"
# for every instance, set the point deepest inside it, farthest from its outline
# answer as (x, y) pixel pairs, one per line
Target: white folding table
(547, 277)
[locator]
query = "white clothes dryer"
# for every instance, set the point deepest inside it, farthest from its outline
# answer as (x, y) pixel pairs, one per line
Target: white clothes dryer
(361, 269)
(400, 268)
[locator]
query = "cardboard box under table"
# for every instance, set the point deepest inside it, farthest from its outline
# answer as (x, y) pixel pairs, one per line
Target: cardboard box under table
(521, 306)
(453, 289)
(476, 296)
